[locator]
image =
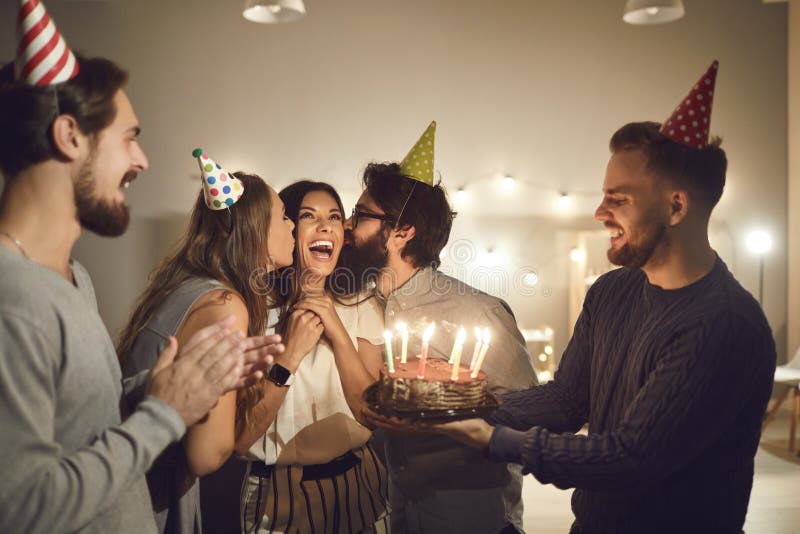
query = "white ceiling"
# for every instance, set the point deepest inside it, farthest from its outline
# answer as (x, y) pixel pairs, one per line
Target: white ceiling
(525, 87)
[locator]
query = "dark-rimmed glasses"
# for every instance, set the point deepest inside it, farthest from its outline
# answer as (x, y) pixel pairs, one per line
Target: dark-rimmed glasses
(357, 214)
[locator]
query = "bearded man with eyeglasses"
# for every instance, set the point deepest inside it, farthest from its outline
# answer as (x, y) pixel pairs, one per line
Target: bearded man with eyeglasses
(392, 242)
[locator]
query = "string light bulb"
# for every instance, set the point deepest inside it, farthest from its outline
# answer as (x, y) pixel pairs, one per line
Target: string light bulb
(462, 197)
(577, 255)
(530, 279)
(564, 201)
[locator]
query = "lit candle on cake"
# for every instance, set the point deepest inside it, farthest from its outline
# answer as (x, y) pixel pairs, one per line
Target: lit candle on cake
(484, 347)
(403, 328)
(426, 338)
(455, 357)
(387, 337)
(457, 346)
(477, 350)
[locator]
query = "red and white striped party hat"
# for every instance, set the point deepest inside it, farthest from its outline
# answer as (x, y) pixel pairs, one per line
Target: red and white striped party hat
(220, 188)
(690, 121)
(43, 57)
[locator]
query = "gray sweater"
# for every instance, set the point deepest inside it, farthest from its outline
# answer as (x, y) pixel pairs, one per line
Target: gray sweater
(68, 462)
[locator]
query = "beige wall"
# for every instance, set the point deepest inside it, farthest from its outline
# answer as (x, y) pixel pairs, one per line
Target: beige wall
(793, 315)
(530, 88)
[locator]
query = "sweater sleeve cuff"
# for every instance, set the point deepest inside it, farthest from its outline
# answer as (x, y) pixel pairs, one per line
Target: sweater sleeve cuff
(505, 445)
(158, 414)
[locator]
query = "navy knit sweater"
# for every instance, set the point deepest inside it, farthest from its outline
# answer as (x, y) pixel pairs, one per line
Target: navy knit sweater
(673, 384)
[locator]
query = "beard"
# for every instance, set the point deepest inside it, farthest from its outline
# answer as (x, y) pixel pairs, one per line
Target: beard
(360, 263)
(636, 255)
(105, 218)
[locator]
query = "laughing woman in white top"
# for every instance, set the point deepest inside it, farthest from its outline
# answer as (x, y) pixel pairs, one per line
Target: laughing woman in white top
(310, 466)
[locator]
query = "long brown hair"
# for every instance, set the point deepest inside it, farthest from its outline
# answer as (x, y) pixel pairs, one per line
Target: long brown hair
(288, 280)
(229, 246)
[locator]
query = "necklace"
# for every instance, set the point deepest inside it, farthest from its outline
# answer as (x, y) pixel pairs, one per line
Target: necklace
(17, 242)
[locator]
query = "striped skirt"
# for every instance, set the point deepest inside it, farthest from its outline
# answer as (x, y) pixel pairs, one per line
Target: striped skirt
(346, 495)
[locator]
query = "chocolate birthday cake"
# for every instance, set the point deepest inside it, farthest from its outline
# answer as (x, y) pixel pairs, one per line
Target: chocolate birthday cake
(403, 391)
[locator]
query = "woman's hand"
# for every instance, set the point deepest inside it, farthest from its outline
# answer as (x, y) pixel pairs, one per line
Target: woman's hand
(303, 331)
(323, 307)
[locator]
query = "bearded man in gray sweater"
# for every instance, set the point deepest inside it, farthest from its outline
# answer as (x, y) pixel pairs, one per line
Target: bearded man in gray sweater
(72, 460)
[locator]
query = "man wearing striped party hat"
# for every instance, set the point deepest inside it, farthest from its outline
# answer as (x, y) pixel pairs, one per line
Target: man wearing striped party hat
(671, 361)
(68, 151)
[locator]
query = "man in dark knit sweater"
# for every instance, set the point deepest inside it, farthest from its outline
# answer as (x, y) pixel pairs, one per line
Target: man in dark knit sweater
(670, 363)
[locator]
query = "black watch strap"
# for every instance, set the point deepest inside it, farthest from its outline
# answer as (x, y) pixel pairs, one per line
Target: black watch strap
(280, 375)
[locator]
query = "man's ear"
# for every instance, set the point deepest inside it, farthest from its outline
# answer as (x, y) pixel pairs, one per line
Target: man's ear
(678, 207)
(400, 236)
(67, 137)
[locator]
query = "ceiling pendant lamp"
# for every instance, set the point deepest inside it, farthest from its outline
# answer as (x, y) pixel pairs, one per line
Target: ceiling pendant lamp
(273, 11)
(652, 11)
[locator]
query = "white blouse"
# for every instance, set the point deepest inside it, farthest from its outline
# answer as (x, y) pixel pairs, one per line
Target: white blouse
(314, 424)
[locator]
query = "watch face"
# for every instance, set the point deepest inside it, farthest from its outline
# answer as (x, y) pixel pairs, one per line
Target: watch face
(279, 374)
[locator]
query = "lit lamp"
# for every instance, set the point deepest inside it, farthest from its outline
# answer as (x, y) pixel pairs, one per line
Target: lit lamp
(273, 11)
(759, 242)
(652, 11)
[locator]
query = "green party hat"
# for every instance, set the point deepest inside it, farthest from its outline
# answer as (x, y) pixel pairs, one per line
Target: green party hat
(418, 163)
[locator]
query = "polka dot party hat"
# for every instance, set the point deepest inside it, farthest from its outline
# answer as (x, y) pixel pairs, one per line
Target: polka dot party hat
(418, 163)
(221, 188)
(690, 121)
(43, 57)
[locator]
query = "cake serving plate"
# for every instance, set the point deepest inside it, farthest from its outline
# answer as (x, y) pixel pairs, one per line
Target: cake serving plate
(451, 414)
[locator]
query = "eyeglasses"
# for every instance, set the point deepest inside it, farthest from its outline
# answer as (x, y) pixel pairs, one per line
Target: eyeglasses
(358, 214)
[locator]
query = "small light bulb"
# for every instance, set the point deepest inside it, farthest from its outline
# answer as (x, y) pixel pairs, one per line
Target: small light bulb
(548, 349)
(508, 182)
(758, 241)
(530, 279)
(564, 201)
(577, 255)
(542, 357)
(462, 197)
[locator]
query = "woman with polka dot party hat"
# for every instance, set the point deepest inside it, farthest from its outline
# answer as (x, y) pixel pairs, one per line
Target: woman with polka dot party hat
(237, 234)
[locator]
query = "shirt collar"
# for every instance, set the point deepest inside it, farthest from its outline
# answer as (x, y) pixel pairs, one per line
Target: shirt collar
(409, 294)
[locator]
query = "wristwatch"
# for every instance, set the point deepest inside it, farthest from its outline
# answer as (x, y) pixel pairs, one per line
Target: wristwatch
(280, 375)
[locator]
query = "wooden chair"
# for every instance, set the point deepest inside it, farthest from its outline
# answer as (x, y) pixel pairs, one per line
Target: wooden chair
(788, 377)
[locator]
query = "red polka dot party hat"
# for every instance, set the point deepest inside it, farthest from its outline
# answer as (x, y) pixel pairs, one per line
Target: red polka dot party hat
(690, 121)
(220, 188)
(43, 57)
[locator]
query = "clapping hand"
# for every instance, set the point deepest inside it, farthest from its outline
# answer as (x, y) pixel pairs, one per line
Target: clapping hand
(259, 352)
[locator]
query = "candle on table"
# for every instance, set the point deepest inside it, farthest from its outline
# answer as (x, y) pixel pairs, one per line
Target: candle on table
(477, 350)
(484, 347)
(455, 357)
(426, 338)
(387, 337)
(403, 328)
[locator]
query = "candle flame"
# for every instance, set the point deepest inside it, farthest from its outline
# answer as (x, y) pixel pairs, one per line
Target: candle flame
(486, 336)
(478, 333)
(402, 327)
(426, 337)
(461, 336)
(387, 335)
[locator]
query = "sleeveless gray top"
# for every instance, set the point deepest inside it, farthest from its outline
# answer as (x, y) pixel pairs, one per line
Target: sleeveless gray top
(174, 493)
